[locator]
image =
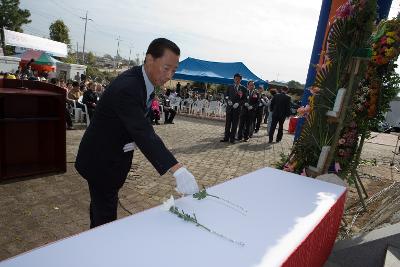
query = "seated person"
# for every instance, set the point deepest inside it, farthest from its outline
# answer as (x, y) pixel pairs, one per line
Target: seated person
(155, 111)
(90, 98)
(169, 111)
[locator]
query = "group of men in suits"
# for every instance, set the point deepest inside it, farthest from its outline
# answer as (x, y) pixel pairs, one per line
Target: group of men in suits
(245, 108)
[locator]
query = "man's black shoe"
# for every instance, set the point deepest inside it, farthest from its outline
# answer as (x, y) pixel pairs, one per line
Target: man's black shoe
(224, 140)
(246, 140)
(232, 141)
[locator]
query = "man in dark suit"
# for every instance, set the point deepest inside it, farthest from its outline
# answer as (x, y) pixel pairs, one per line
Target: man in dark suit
(119, 125)
(247, 114)
(235, 97)
(260, 108)
(169, 112)
(280, 107)
(90, 99)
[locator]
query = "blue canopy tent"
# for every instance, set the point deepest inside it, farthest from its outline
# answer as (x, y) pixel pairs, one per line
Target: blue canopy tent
(197, 70)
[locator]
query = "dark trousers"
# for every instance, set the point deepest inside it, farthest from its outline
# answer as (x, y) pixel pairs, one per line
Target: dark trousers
(275, 121)
(68, 119)
(103, 204)
(266, 115)
(91, 112)
(154, 116)
(231, 123)
(246, 126)
(169, 115)
(258, 119)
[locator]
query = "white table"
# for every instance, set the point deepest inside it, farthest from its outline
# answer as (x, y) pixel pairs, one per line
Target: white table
(284, 210)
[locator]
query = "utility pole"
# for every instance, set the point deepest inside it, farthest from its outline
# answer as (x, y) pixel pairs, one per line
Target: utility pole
(77, 59)
(119, 40)
(3, 41)
(84, 37)
(117, 56)
(130, 51)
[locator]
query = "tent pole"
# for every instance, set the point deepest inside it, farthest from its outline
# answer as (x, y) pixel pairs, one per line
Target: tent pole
(3, 41)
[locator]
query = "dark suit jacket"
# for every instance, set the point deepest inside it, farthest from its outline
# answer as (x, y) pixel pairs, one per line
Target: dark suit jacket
(89, 97)
(120, 119)
(280, 106)
(235, 97)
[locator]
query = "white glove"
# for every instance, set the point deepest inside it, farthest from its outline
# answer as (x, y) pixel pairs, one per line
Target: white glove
(265, 103)
(260, 104)
(246, 104)
(129, 147)
(235, 106)
(249, 107)
(185, 182)
(230, 103)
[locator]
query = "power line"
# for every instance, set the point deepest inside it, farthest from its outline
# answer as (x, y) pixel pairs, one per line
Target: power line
(65, 8)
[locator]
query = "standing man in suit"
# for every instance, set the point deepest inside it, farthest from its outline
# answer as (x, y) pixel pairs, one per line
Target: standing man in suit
(260, 108)
(120, 125)
(247, 114)
(234, 96)
(280, 107)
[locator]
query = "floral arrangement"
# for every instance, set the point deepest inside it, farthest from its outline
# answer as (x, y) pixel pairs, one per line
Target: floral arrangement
(350, 30)
(170, 206)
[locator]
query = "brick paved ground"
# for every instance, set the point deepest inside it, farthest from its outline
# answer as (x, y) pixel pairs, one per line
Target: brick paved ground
(43, 209)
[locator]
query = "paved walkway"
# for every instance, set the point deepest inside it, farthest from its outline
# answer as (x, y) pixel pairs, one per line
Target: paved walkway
(40, 210)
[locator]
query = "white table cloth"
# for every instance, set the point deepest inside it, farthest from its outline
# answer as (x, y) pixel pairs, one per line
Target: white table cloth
(283, 211)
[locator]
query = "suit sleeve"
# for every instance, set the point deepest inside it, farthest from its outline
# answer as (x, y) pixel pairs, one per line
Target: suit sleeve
(288, 106)
(272, 103)
(131, 111)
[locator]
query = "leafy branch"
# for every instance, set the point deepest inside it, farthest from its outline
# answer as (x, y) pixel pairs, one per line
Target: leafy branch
(202, 194)
(189, 218)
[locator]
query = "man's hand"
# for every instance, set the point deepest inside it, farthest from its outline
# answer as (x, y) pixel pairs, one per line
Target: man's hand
(249, 107)
(236, 105)
(230, 103)
(185, 181)
(246, 104)
(129, 147)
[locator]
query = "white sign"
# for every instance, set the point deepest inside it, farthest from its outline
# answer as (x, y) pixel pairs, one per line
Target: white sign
(29, 41)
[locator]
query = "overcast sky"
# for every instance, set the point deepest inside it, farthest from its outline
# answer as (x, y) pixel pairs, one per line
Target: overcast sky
(274, 38)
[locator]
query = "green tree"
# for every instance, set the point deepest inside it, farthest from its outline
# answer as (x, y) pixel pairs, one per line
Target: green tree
(12, 17)
(91, 59)
(59, 32)
(108, 56)
(295, 84)
(71, 58)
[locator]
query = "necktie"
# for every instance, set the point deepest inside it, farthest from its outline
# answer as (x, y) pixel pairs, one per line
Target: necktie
(148, 106)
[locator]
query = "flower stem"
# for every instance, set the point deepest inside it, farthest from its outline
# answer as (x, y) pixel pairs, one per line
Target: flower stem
(188, 218)
(227, 201)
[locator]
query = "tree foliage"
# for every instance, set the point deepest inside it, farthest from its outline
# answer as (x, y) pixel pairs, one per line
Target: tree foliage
(12, 17)
(91, 59)
(295, 84)
(59, 32)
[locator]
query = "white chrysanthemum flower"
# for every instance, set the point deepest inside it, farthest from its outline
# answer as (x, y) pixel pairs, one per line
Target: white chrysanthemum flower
(168, 204)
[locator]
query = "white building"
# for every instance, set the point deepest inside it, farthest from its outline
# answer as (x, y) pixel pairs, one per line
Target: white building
(68, 71)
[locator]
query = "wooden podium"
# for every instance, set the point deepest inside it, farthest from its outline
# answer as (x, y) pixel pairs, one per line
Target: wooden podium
(32, 128)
